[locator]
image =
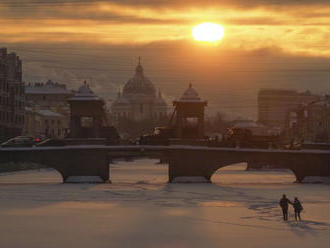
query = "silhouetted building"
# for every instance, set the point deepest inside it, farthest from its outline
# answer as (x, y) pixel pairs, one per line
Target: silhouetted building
(311, 122)
(139, 99)
(189, 115)
(274, 105)
(88, 116)
(11, 95)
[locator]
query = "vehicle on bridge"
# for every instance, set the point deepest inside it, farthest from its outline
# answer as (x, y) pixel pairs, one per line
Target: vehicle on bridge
(160, 136)
(19, 141)
(248, 138)
(51, 142)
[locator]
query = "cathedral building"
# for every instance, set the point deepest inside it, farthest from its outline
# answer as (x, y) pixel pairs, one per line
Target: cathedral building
(139, 99)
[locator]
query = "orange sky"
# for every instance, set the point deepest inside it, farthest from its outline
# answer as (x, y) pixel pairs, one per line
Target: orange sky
(267, 44)
(296, 27)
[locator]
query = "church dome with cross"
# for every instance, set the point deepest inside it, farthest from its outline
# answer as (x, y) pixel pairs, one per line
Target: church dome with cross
(139, 84)
(139, 99)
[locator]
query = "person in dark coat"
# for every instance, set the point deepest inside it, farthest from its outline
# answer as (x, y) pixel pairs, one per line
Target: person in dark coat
(284, 203)
(297, 208)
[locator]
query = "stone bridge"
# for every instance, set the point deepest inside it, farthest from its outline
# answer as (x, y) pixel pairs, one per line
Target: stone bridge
(189, 162)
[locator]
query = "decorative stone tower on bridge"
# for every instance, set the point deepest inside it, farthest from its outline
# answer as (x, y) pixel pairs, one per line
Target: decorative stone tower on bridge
(189, 115)
(87, 113)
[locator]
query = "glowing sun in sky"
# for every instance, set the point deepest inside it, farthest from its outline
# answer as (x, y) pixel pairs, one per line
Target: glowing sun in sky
(208, 32)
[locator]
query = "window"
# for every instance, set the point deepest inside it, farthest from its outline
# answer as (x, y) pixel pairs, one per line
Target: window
(87, 121)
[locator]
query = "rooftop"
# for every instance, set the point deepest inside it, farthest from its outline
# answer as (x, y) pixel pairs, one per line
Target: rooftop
(190, 95)
(47, 88)
(139, 84)
(48, 113)
(85, 93)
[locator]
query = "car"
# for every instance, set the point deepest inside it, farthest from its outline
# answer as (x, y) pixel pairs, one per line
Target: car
(19, 141)
(40, 138)
(51, 142)
(160, 136)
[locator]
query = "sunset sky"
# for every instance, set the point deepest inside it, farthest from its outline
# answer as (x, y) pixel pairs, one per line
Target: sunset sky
(267, 44)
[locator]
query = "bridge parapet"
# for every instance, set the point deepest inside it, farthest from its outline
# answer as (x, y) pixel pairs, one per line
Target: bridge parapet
(184, 161)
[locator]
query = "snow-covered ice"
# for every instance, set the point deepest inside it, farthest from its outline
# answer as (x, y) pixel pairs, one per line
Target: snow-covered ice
(139, 209)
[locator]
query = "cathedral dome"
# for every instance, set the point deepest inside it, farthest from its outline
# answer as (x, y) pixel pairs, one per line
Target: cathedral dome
(139, 84)
(139, 100)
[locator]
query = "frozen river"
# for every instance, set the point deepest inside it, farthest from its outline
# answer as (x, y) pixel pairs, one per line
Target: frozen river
(139, 209)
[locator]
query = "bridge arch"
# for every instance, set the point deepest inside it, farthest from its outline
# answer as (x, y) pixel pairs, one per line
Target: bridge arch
(28, 172)
(139, 171)
(239, 173)
(74, 165)
(204, 163)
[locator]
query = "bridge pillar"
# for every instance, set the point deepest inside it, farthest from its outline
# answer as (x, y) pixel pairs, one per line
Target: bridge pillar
(89, 166)
(311, 165)
(189, 167)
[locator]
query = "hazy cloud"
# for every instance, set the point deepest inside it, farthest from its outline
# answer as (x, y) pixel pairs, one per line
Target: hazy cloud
(268, 43)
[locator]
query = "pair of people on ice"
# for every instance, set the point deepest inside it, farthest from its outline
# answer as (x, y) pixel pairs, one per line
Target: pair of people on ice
(284, 203)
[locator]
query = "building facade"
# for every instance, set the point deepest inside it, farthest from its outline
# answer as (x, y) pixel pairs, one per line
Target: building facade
(311, 122)
(47, 111)
(139, 99)
(11, 95)
(274, 105)
(44, 122)
(49, 95)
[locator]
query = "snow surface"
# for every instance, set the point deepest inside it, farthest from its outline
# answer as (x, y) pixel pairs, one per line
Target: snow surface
(140, 209)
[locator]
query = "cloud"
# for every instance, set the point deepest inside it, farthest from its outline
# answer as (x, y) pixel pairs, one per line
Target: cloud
(98, 9)
(267, 44)
(167, 3)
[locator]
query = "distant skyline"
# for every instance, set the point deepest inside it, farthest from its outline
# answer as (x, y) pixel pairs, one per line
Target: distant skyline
(267, 44)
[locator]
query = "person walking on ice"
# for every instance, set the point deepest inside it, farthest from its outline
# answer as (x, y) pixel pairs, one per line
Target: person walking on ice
(297, 208)
(284, 203)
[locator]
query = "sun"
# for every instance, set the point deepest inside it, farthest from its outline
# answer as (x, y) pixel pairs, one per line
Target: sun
(208, 32)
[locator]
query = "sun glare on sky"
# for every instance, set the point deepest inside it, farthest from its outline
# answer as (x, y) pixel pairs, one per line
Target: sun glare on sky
(208, 32)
